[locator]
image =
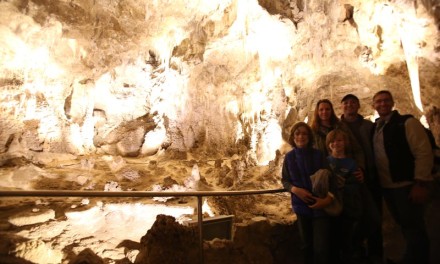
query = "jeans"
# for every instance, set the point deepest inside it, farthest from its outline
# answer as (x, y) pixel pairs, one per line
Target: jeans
(410, 217)
(314, 232)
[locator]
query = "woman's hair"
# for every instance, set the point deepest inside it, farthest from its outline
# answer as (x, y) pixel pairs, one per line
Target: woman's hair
(331, 136)
(292, 134)
(316, 121)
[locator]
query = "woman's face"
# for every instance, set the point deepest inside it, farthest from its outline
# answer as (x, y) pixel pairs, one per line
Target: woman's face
(324, 111)
(301, 137)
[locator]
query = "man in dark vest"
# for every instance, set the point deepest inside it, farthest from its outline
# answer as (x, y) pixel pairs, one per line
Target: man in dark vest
(404, 160)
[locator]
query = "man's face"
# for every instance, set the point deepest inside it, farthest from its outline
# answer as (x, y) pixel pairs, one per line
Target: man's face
(383, 104)
(350, 106)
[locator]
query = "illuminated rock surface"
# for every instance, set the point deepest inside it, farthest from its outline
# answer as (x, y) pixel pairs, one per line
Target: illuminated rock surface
(130, 95)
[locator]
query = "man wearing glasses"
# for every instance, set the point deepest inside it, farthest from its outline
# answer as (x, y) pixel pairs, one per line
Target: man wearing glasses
(404, 160)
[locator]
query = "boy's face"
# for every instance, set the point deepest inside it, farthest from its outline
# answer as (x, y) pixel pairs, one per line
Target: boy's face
(337, 145)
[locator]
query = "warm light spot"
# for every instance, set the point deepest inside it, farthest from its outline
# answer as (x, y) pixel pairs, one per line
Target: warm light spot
(304, 71)
(154, 140)
(170, 34)
(49, 127)
(267, 37)
(239, 133)
(270, 141)
(424, 121)
(121, 221)
(75, 138)
(255, 101)
(411, 35)
(169, 96)
(232, 107)
(207, 209)
(400, 18)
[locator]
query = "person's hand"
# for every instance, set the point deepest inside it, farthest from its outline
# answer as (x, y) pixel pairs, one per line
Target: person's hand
(419, 193)
(359, 175)
(321, 202)
(303, 194)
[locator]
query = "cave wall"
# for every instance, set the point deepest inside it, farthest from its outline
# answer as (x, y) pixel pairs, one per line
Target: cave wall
(133, 78)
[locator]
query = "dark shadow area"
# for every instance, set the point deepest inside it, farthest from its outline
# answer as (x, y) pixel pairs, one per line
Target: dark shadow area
(87, 256)
(129, 244)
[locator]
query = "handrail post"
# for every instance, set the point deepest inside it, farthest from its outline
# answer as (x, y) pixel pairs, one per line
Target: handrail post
(200, 225)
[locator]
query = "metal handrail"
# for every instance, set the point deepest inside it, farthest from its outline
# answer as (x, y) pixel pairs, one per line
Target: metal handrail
(64, 193)
(198, 194)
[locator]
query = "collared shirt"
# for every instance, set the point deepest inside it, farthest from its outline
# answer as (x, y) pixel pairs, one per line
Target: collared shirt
(420, 148)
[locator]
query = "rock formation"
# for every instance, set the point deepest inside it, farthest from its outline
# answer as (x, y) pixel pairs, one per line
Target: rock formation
(213, 76)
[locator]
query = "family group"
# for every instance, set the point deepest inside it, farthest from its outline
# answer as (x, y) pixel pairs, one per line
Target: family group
(340, 171)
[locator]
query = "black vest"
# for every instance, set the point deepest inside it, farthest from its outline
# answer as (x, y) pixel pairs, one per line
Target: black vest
(401, 160)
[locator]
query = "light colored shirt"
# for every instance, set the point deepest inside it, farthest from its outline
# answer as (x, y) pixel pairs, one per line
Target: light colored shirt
(420, 148)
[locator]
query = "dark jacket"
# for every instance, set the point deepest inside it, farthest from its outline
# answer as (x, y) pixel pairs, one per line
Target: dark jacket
(361, 130)
(299, 164)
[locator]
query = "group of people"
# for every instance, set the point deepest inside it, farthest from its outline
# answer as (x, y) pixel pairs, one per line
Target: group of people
(390, 159)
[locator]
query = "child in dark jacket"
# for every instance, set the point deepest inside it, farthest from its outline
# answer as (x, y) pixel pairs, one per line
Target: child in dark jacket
(343, 169)
(299, 164)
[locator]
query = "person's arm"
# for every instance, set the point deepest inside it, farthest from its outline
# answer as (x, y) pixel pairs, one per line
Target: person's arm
(421, 149)
(285, 177)
(302, 193)
(359, 174)
(322, 202)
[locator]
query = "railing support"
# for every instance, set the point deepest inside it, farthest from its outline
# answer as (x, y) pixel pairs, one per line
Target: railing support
(200, 224)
